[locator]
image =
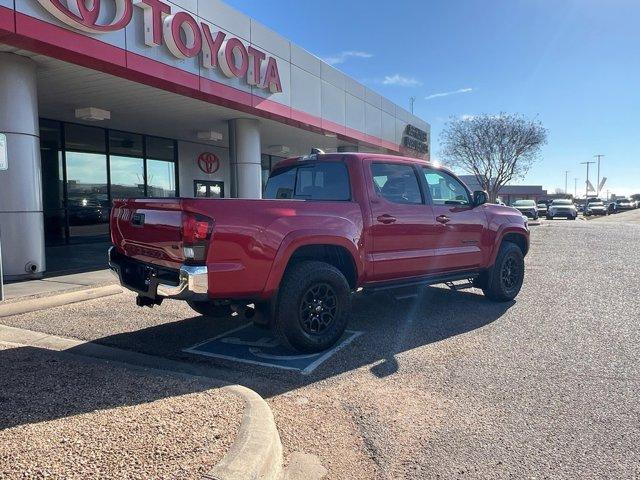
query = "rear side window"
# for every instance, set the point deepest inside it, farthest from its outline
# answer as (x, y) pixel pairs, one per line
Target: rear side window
(319, 181)
(281, 184)
(396, 183)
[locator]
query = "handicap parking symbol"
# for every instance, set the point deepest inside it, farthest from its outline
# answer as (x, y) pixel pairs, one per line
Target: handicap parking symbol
(257, 346)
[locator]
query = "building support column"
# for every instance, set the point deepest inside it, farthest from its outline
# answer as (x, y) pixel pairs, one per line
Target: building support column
(245, 158)
(21, 217)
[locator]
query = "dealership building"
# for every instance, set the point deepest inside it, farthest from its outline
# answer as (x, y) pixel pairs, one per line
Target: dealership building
(149, 98)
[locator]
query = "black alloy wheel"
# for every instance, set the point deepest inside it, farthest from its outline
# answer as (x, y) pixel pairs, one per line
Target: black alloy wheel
(504, 280)
(313, 307)
(510, 273)
(318, 308)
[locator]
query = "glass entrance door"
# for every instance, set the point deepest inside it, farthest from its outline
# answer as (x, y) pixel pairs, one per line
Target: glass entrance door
(208, 189)
(84, 168)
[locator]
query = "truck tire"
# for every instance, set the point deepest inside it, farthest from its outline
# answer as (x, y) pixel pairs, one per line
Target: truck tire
(210, 309)
(313, 307)
(504, 279)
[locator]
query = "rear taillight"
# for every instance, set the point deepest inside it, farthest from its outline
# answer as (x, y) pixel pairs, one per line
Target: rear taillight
(196, 234)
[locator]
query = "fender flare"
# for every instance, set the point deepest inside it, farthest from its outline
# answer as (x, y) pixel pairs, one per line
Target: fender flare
(503, 231)
(300, 238)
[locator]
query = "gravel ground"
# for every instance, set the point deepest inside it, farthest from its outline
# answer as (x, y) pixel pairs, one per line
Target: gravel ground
(69, 417)
(448, 385)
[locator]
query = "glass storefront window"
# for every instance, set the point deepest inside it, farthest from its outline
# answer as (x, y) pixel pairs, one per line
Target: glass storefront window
(160, 148)
(77, 192)
(268, 162)
(124, 143)
(127, 177)
(85, 139)
(265, 160)
(52, 182)
(161, 178)
(87, 196)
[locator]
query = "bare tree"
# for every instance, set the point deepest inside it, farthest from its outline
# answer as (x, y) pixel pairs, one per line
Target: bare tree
(494, 148)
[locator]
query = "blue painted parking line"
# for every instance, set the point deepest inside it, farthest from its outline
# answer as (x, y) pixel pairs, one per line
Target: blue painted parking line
(257, 346)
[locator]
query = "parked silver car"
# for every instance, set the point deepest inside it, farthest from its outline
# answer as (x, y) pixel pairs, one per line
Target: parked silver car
(562, 208)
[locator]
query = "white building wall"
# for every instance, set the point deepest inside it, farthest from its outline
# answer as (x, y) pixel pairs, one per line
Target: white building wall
(188, 170)
(310, 86)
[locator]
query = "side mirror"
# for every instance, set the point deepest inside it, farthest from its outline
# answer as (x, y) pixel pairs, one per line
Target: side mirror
(480, 197)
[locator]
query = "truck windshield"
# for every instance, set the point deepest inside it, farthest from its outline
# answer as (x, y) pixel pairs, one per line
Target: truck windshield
(310, 181)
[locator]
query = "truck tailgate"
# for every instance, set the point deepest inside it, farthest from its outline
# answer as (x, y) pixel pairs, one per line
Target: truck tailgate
(149, 230)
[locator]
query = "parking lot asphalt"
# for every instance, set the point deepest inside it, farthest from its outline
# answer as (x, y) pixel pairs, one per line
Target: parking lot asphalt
(447, 384)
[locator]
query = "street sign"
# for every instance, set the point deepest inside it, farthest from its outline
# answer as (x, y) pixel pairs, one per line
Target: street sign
(602, 182)
(4, 161)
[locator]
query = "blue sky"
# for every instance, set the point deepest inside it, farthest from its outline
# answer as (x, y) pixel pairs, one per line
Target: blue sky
(573, 64)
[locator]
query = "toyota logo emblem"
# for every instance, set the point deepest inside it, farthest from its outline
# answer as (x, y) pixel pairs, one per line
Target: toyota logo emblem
(84, 14)
(208, 162)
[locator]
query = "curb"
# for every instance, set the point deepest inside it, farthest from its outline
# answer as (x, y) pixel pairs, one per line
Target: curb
(257, 451)
(35, 304)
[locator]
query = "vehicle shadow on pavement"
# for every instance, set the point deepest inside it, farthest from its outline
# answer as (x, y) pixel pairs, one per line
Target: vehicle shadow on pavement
(38, 384)
(389, 327)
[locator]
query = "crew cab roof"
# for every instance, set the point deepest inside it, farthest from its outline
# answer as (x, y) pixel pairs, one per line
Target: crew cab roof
(359, 156)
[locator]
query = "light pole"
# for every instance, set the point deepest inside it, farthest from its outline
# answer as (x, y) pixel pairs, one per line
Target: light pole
(575, 187)
(566, 179)
(586, 184)
(598, 184)
(412, 100)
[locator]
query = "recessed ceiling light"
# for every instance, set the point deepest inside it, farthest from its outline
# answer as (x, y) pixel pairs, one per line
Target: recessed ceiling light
(93, 114)
(210, 135)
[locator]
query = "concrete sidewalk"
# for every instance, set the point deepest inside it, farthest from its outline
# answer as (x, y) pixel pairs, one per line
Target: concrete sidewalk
(53, 285)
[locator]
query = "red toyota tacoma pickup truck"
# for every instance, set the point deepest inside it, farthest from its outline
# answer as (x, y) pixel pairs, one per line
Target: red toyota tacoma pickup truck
(330, 225)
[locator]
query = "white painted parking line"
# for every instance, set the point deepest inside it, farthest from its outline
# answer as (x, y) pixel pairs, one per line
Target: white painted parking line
(254, 345)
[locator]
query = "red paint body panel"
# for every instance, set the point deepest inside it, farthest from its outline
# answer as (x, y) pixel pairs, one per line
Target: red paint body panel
(253, 240)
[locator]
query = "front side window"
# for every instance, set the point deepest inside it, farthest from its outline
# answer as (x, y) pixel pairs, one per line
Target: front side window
(396, 182)
(445, 189)
(319, 181)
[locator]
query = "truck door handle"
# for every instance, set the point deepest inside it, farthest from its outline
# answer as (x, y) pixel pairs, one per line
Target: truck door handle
(442, 219)
(386, 218)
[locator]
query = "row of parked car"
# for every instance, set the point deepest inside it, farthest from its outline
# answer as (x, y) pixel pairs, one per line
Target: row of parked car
(565, 208)
(596, 206)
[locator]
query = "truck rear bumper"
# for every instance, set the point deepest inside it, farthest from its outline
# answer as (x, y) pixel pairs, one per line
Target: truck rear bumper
(190, 282)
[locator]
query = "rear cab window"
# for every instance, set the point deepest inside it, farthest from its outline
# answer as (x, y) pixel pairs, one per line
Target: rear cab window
(328, 181)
